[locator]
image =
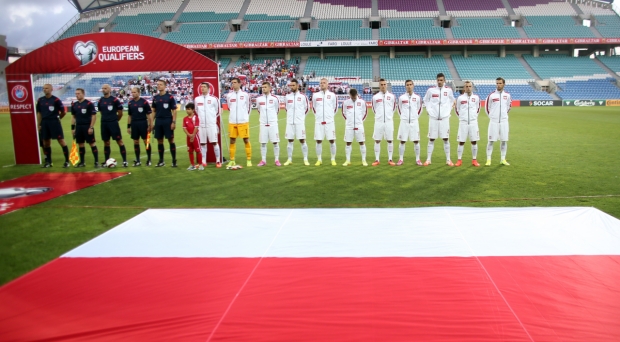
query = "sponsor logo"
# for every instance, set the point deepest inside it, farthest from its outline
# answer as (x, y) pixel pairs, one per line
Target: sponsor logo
(19, 93)
(586, 103)
(541, 103)
(85, 52)
(349, 107)
(495, 100)
(435, 95)
(290, 101)
(405, 101)
(463, 102)
(614, 103)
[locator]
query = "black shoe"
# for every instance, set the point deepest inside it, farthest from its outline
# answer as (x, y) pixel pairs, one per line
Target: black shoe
(174, 163)
(136, 163)
(97, 165)
(46, 165)
(125, 164)
(81, 165)
(66, 165)
(224, 160)
(148, 163)
(160, 164)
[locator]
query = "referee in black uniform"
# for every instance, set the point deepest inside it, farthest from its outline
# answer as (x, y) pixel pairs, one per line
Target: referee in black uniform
(166, 115)
(49, 112)
(83, 119)
(139, 123)
(111, 110)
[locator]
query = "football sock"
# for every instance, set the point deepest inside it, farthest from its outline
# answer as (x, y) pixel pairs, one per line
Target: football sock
(503, 147)
(377, 150)
(390, 150)
(459, 151)
(160, 149)
(348, 149)
(136, 149)
(48, 154)
(304, 150)
(319, 150)
(148, 153)
(191, 158)
(289, 150)
(199, 157)
(263, 152)
(65, 151)
(474, 151)
(106, 152)
(173, 152)
(248, 150)
(446, 148)
(489, 150)
(416, 147)
(95, 153)
(401, 151)
(276, 151)
(363, 151)
(429, 149)
(216, 149)
(203, 153)
(332, 149)
(232, 150)
(82, 154)
(123, 153)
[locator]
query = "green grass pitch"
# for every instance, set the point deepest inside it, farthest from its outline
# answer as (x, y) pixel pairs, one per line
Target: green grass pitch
(559, 157)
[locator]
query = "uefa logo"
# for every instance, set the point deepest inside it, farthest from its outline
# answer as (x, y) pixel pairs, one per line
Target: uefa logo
(85, 52)
(19, 93)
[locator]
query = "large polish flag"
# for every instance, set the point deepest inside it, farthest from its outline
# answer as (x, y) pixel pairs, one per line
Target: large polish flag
(428, 274)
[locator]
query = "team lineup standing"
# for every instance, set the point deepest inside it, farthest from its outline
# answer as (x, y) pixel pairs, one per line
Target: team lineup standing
(439, 101)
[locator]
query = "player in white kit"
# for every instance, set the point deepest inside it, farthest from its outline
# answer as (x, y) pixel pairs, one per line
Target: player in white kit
(354, 111)
(467, 108)
(268, 107)
(383, 105)
(498, 105)
(208, 110)
(409, 109)
(439, 101)
(296, 110)
(324, 105)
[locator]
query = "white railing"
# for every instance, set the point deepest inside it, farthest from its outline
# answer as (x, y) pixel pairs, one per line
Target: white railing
(63, 29)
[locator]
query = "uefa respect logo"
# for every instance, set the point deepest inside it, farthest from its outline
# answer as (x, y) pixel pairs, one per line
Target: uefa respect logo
(19, 93)
(85, 52)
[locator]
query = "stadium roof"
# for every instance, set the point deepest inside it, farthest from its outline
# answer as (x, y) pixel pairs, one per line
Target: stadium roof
(89, 5)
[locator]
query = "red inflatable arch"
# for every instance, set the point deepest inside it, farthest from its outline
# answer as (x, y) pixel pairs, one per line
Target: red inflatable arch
(93, 53)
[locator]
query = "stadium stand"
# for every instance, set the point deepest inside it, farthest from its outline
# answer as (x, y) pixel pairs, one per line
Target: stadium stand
(411, 29)
(333, 66)
(275, 70)
(486, 67)
(223, 62)
(542, 7)
(612, 62)
(518, 90)
(145, 18)
(210, 11)
(339, 30)
(275, 10)
(415, 67)
(85, 25)
(475, 8)
(608, 25)
(199, 33)
(341, 9)
(588, 90)
(58, 82)
(258, 61)
(269, 31)
(561, 67)
(484, 28)
(556, 27)
(408, 9)
(587, 9)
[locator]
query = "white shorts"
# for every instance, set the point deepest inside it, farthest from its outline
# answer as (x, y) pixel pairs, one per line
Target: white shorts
(350, 133)
(409, 131)
(295, 131)
(439, 128)
(269, 133)
(498, 131)
(383, 130)
(325, 132)
(207, 133)
(468, 131)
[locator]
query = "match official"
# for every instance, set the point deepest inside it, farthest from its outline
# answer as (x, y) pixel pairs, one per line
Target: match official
(165, 121)
(49, 113)
(83, 118)
(111, 110)
(139, 124)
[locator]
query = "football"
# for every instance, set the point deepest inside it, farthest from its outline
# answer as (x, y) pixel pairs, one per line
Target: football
(110, 162)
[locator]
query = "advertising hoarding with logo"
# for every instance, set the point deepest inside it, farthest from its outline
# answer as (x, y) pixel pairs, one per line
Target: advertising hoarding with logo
(541, 103)
(584, 103)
